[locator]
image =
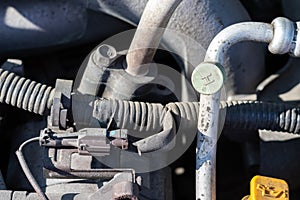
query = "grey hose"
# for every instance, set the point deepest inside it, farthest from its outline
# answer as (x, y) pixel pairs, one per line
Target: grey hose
(24, 93)
(149, 32)
(151, 119)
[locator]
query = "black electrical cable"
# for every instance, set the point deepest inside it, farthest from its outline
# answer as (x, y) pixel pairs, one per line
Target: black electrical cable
(27, 171)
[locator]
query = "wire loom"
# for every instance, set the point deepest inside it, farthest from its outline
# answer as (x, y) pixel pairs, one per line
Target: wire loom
(156, 120)
(24, 93)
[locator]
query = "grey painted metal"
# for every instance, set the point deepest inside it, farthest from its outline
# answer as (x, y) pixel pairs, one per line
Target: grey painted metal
(148, 35)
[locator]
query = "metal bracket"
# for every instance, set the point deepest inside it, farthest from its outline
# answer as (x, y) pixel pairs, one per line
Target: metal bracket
(61, 104)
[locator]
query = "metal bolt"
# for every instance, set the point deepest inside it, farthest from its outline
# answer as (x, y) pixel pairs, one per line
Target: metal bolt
(208, 78)
(104, 54)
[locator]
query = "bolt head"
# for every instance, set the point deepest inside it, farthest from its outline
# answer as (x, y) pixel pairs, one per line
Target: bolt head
(107, 51)
(104, 54)
(208, 78)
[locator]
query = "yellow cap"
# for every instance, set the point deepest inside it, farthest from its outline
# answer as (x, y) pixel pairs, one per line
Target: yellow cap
(267, 188)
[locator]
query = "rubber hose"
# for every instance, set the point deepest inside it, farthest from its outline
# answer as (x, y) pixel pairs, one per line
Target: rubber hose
(153, 122)
(250, 115)
(24, 93)
(136, 116)
(261, 115)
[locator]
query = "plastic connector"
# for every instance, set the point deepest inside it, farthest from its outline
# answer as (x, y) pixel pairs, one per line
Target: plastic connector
(267, 188)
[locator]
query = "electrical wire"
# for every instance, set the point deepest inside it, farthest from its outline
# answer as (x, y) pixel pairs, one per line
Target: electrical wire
(26, 169)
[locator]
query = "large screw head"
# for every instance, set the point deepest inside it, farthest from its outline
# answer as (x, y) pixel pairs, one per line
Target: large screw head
(208, 78)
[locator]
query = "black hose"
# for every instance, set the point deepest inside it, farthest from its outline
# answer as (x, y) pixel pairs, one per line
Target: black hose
(150, 118)
(261, 115)
(24, 93)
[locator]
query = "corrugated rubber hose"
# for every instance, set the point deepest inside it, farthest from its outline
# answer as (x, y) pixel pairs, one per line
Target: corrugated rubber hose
(24, 93)
(156, 123)
(153, 119)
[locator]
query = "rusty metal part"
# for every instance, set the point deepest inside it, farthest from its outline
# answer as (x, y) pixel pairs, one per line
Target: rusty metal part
(124, 191)
(122, 186)
(149, 32)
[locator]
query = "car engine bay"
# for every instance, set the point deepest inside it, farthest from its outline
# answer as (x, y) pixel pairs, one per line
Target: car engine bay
(106, 99)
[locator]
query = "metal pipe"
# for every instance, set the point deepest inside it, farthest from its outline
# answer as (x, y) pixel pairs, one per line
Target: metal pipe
(149, 32)
(246, 31)
(283, 37)
(207, 134)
